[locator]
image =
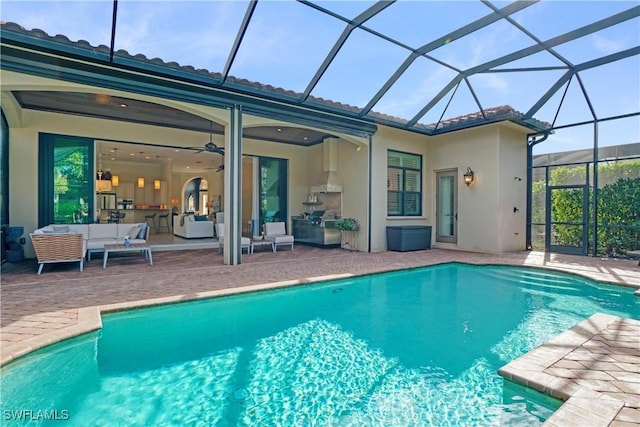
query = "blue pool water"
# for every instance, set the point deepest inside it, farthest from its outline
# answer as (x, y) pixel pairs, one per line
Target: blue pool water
(416, 347)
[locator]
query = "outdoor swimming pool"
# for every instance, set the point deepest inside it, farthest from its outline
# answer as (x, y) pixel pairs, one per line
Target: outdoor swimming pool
(415, 347)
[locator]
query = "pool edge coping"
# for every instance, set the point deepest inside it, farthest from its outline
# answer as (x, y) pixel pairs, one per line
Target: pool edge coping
(579, 403)
(90, 318)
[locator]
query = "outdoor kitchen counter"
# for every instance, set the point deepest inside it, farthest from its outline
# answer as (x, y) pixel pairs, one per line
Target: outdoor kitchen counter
(310, 232)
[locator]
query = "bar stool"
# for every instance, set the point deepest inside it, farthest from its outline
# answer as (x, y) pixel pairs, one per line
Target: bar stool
(151, 217)
(164, 217)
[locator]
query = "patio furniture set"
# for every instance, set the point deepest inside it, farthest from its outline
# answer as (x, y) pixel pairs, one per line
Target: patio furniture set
(73, 242)
(275, 234)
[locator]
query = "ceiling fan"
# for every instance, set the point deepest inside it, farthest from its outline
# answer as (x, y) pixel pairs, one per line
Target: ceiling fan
(210, 146)
(218, 168)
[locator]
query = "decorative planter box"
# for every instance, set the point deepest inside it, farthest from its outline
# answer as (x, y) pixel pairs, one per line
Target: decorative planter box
(408, 238)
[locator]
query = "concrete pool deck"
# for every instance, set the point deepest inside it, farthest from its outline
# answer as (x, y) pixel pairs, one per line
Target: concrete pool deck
(64, 302)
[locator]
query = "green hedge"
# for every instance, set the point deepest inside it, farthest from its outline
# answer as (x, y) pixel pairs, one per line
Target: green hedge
(618, 206)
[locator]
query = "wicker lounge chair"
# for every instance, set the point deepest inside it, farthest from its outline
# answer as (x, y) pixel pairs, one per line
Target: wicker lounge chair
(58, 247)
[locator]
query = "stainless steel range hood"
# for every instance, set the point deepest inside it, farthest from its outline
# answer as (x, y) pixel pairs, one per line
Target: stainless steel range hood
(329, 182)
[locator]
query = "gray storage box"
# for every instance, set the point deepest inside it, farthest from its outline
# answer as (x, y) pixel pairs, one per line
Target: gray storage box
(408, 238)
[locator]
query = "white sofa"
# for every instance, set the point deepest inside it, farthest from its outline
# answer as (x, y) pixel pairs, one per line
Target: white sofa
(97, 235)
(186, 226)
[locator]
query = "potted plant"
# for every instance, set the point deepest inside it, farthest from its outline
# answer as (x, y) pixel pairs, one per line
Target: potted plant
(348, 224)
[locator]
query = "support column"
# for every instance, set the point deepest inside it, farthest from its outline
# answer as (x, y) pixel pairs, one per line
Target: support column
(233, 188)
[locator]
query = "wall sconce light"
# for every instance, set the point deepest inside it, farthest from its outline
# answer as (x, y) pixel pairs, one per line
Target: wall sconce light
(469, 177)
(140, 182)
(174, 202)
(156, 184)
(115, 180)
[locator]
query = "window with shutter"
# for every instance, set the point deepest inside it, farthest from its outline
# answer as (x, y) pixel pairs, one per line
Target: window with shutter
(404, 184)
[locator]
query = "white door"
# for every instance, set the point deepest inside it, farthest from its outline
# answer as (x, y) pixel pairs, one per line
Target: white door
(447, 206)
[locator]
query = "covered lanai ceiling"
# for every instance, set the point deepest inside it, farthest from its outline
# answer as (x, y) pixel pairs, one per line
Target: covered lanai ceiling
(424, 66)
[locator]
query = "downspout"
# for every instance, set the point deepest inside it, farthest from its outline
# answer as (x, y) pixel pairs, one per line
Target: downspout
(531, 142)
(370, 194)
(595, 188)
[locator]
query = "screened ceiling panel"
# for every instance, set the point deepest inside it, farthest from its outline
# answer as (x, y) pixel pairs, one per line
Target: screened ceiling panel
(415, 88)
(518, 89)
(490, 42)
(567, 139)
(549, 110)
(288, 53)
(616, 97)
(290, 45)
(346, 9)
(457, 102)
(547, 19)
(193, 33)
(605, 42)
(362, 66)
(537, 60)
(429, 20)
(92, 20)
(575, 108)
(619, 132)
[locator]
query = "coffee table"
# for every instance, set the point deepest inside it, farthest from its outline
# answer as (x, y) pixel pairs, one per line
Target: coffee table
(121, 247)
(255, 243)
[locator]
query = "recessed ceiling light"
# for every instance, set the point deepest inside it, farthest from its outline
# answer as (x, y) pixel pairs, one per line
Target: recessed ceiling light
(123, 105)
(102, 98)
(147, 157)
(188, 167)
(132, 154)
(278, 130)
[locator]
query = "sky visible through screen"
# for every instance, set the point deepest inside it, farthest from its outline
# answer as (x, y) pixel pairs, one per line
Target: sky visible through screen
(286, 43)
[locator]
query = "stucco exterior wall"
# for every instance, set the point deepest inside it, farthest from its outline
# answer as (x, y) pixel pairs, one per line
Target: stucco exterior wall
(512, 192)
(476, 148)
(387, 138)
(496, 153)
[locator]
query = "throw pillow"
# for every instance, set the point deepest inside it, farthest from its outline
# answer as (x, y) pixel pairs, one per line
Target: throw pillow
(200, 217)
(143, 231)
(61, 229)
(133, 233)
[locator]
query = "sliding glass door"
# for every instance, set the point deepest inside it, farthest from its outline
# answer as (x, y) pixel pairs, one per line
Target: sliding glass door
(65, 180)
(272, 190)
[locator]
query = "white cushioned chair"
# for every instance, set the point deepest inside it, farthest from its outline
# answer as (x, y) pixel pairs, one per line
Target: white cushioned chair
(277, 233)
(245, 242)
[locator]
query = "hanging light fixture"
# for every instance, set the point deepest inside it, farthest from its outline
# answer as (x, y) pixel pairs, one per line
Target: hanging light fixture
(115, 179)
(103, 179)
(156, 184)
